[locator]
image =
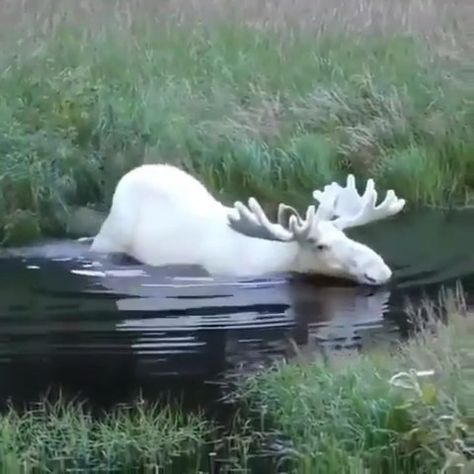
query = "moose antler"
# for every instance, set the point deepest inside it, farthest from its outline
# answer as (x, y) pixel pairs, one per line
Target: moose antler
(253, 222)
(346, 208)
(343, 206)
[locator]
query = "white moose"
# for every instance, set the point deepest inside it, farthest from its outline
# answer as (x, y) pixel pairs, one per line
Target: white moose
(161, 215)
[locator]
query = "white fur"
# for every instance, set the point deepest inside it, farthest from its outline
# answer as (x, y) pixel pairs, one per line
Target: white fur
(161, 215)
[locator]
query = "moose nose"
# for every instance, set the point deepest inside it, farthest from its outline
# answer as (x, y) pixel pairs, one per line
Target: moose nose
(380, 278)
(369, 279)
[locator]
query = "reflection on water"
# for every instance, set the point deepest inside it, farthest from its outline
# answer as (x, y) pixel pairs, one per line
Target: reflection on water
(107, 326)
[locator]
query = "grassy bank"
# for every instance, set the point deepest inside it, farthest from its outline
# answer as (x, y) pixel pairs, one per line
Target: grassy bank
(272, 99)
(409, 411)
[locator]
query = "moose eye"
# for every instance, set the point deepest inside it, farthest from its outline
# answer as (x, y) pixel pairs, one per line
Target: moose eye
(317, 246)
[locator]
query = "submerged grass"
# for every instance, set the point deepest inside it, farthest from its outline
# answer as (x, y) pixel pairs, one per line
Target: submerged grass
(410, 411)
(272, 99)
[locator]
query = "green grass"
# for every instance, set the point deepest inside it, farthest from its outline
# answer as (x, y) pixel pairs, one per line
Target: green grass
(59, 435)
(375, 412)
(251, 106)
(65, 437)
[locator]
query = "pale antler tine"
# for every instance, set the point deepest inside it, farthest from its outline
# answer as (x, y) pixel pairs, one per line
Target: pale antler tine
(399, 205)
(317, 194)
(350, 182)
(391, 204)
(369, 199)
(282, 209)
(280, 213)
(240, 208)
(299, 231)
(368, 211)
(308, 222)
(311, 216)
(292, 224)
(327, 200)
(372, 199)
(259, 213)
(387, 202)
(279, 231)
(257, 210)
(369, 188)
(243, 212)
(310, 213)
(303, 229)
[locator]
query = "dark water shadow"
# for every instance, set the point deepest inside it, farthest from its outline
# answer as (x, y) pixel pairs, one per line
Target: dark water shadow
(106, 327)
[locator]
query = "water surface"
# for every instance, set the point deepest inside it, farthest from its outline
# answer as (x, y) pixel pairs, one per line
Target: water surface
(105, 326)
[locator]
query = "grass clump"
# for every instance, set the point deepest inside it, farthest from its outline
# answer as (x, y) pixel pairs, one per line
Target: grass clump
(66, 437)
(410, 411)
(272, 100)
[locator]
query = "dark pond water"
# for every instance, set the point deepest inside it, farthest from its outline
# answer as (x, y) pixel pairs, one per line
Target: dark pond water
(105, 328)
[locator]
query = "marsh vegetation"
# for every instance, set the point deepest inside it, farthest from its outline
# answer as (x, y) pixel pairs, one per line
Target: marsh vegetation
(404, 411)
(272, 99)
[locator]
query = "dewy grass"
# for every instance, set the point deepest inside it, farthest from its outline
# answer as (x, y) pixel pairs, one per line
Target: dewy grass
(247, 102)
(409, 411)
